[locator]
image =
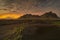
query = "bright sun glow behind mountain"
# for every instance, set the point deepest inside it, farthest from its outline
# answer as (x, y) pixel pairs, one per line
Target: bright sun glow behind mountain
(10, 16)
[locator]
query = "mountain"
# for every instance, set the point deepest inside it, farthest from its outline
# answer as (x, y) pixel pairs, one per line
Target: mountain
(29, 16)
(49, 15)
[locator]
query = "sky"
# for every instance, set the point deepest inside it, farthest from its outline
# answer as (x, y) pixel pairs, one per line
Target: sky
(37, 7)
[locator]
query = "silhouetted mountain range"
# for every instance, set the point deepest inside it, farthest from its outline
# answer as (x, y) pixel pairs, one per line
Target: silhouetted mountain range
(50, 15)
(46, 15)
(30, 16)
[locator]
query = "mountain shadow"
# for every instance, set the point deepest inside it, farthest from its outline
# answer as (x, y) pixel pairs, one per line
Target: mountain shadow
(41, 33)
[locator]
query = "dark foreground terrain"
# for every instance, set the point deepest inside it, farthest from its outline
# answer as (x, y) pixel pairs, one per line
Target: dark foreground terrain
(30, 30)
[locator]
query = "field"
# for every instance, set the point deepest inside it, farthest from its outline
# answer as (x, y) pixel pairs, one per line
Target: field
(29, 29)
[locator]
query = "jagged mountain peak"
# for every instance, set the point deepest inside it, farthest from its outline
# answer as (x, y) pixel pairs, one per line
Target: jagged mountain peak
(50, 14)
(30, 16)
(46, 15)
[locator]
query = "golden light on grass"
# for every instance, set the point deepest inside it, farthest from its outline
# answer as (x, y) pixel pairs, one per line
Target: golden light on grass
(10, 15)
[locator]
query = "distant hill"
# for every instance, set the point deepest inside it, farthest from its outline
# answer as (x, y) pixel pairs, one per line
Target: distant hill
(47, 15)
(29, 16)
(50, 15)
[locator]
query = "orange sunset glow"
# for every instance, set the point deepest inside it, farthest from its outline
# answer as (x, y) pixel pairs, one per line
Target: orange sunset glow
(10, 15)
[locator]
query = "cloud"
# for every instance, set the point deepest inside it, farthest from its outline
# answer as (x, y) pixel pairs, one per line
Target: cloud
(32, 6)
